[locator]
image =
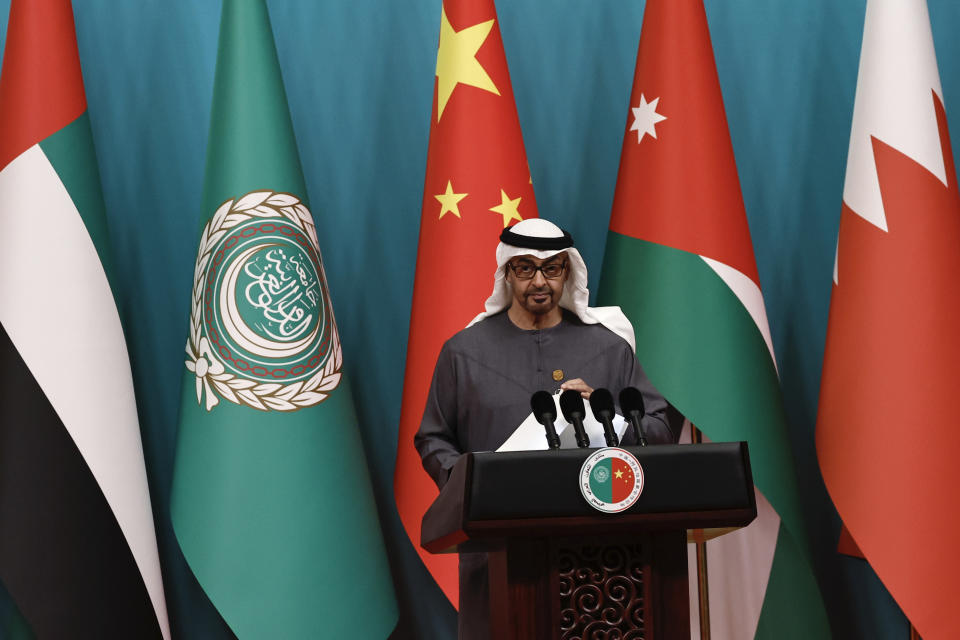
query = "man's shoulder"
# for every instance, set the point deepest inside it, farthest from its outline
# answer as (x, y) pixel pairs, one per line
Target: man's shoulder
(477, 336)
(599, 337)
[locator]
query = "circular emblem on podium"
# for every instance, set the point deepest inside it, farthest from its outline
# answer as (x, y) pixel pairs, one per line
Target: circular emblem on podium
(611, 480)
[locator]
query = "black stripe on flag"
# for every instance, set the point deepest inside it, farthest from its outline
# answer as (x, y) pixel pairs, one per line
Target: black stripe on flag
(63, 556)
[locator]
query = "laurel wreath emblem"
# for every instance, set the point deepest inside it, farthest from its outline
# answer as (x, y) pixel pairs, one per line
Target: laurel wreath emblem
(212, 379)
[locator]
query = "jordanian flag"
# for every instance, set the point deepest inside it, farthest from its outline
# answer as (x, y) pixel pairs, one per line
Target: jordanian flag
(78, 553)
(271, 503)
(679, 260)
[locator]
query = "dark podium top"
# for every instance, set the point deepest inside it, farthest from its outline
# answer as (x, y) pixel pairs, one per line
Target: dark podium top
(534, 493)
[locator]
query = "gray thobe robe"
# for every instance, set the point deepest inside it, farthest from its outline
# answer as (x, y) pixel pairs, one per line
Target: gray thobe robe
(480, 394)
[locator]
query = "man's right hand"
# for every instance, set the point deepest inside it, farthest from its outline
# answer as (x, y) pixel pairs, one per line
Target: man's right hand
(578, 385)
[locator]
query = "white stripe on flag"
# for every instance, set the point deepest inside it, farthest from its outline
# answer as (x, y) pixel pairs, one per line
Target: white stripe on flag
(895, 85)
(57, 307)
(738, 571)
(750, 297)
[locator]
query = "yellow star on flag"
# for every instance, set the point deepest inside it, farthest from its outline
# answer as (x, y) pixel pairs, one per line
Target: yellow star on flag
(457, 60)
(508, 208)
(619, 473)
(449, 201)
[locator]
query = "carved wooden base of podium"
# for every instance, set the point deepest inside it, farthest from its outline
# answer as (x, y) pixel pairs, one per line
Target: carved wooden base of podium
(616, 587)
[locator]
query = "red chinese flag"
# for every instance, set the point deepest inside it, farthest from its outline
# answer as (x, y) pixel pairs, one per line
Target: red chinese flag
(623, 480)
(886, 434)
(477, 183)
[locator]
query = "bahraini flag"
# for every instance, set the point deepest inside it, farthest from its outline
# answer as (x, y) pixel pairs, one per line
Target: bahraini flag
(886, 437)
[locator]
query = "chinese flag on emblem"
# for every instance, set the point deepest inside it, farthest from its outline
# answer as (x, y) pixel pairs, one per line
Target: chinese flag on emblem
(477, 183)
(886, 437)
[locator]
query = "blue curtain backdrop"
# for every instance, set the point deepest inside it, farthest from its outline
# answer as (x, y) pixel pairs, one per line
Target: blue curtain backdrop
(359, 78)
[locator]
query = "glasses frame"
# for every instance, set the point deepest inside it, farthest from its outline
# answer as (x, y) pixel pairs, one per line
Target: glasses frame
(536, 268)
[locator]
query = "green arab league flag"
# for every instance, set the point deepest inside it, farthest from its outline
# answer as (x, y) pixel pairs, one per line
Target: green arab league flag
(271, 503)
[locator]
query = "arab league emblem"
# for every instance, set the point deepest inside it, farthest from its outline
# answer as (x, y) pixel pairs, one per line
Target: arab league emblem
(611, 480)
(262, 332)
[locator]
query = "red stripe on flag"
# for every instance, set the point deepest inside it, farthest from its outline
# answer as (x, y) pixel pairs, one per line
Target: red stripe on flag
(41, 86)
(680, 189)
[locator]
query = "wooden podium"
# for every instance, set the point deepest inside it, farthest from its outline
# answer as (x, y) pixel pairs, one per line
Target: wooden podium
(561, 569)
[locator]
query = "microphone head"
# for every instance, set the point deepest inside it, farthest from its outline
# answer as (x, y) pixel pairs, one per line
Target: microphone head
(631, 400)
(601, 401)
(571, 403)
(543, 406)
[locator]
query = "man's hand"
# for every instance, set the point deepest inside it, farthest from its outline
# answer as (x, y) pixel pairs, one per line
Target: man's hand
(578, 385)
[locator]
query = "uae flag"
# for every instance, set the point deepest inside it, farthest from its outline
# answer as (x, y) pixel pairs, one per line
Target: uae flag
(78, 551)
(679, 261)
(477, 183)
(272, 504)
(886, 433)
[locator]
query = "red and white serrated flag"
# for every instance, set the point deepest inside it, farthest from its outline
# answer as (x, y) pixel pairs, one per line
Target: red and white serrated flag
(886, 437)
(477, 182)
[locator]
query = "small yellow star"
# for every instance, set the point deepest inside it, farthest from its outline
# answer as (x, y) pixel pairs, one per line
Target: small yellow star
(508, 208)
(619, 473)
(449, 201)
(457, 60)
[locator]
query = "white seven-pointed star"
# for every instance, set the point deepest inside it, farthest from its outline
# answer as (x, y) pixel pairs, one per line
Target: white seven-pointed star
(645, 118)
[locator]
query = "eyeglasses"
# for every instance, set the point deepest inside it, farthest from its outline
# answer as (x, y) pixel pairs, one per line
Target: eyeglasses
(527, 270)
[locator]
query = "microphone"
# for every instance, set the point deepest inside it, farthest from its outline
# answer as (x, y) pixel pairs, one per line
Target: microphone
(571, 404)
(631, 403)
(601, 401)
(545, 411)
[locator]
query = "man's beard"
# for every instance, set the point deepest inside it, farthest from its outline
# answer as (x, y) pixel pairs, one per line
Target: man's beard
(539, 308)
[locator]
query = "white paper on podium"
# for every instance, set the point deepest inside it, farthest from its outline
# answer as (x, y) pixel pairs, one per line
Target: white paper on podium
(530, 435)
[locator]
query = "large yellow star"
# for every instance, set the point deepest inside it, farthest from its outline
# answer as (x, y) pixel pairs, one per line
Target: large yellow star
(618, 473)
(457, 60)
(508, 208)
(449, 201)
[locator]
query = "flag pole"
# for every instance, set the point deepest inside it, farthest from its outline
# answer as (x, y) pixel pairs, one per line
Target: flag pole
(703, 588)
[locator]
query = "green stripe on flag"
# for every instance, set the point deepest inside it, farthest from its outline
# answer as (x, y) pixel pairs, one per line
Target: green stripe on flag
(72, 154)
(703, 351)
(792, 604)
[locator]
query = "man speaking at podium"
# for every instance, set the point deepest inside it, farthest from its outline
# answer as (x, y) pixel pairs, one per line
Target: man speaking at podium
(536, 333)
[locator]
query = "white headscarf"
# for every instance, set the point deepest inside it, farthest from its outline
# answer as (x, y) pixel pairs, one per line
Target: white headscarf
(575, 294)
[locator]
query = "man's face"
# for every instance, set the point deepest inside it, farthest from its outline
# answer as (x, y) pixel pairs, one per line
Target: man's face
(538, 295)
